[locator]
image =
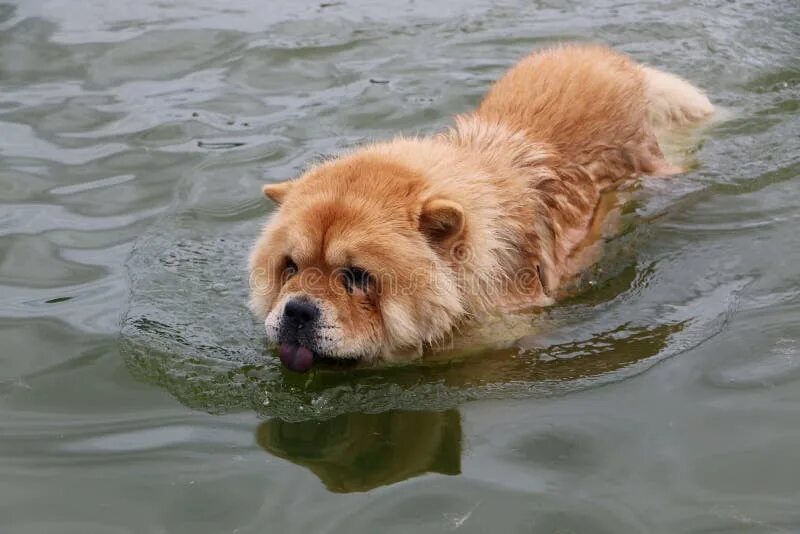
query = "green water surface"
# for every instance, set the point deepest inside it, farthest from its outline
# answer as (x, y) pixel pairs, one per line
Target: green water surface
(137, 394)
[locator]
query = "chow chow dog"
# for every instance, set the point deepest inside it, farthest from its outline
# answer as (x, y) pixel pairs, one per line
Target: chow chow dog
(388, 249)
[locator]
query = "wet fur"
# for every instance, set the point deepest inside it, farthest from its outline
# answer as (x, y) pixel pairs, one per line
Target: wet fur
(485, 217)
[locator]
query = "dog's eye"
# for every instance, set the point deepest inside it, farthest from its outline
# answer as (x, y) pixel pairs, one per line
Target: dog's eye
(290, 268)
(355, 278)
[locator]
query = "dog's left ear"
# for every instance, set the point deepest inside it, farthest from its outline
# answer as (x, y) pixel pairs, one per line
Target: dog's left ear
(441, 220)
(277, 192)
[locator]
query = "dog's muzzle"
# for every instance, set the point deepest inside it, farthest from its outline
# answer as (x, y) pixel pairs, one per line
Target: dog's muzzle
(297, 334)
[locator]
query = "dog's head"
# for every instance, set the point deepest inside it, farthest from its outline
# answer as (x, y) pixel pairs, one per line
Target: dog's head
(357, 262)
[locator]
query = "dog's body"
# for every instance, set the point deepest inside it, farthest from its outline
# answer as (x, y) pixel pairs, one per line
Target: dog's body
(387, 249)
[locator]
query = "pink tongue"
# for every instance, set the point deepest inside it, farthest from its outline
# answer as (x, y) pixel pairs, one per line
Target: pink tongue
(296, 357)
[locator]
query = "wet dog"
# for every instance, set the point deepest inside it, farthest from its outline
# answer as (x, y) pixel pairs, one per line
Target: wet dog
(386, 250)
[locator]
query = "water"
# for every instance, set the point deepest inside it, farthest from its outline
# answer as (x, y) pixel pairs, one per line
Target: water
(136, 394)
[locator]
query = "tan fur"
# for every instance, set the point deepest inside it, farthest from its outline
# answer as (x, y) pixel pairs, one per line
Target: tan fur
(673, 102)
(487, 216)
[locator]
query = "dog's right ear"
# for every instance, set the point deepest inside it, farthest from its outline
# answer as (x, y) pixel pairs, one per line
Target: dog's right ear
(277, 192)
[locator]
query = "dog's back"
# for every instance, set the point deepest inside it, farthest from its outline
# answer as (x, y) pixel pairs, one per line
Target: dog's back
(597, 107)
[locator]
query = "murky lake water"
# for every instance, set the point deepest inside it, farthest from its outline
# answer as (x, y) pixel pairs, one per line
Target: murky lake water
(136, 394)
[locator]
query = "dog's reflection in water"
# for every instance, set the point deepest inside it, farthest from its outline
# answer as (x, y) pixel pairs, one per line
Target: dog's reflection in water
(358, 452)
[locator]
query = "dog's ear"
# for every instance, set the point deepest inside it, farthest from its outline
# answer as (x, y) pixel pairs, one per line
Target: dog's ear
(441, 220)
(277, 192)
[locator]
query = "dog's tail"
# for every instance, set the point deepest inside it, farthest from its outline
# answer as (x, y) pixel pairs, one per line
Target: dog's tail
(672, 102)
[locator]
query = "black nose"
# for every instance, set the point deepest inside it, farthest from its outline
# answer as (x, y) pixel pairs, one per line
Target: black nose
(300, 312)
